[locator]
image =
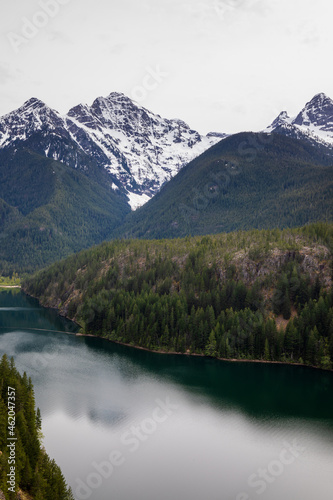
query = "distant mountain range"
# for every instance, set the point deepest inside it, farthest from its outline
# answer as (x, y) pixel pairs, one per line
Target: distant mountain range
(68, 182)
(137, 148)
(49, 210)
(246, 181)
(314, 123)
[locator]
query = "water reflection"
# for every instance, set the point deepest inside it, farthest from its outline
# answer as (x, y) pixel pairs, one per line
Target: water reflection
(259, 390)
(19, 311)
(231, 420)
(30, 333)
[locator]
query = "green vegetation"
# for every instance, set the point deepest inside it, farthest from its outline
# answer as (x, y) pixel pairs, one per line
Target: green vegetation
(48, 211)
(35, 473)
(246, 295)
(13, 280)
(244, 182)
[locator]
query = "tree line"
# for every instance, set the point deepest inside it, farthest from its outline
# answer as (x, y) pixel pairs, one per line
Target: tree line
(35, 472)
(191, 295)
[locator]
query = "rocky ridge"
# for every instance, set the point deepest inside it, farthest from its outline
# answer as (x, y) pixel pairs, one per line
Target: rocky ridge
(139, 150)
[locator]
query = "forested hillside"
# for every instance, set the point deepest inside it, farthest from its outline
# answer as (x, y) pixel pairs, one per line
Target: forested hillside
(247, 295)
(246, 181)
(24, 466)
(49, 210)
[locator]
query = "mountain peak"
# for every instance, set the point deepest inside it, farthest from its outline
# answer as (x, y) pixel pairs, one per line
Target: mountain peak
(283, 115)
(320, 98)
(314, 122)
(281, 119)
(32, 104)
(319, 102)
(112, 97)
(137, 148)
(318, 113)
(117, 96)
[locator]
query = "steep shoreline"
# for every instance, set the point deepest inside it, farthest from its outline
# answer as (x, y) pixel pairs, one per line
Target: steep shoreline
(232, 360)
(10, 286)
(251, 296)
(194, 354)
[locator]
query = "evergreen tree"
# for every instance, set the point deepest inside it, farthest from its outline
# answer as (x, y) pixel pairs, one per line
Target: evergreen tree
(35, 472)
(210, 349)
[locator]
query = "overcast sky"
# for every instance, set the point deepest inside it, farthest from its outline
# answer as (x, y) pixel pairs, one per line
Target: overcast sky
(220, 65)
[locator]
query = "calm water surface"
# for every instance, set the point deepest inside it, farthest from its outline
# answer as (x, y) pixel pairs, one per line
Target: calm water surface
(125, 424)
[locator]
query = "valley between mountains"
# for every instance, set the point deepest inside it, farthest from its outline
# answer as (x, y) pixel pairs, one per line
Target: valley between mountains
(72, 181)
(263, 295)
(262, 292)
(148, 234)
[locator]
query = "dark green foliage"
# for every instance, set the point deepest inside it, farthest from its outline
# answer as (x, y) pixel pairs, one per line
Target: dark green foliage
(35, 472)
(208, 295)
(48, 211)
(245, 181)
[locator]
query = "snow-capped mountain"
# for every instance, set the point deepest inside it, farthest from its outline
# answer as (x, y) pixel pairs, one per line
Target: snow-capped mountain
(139, 149)
(314, 122)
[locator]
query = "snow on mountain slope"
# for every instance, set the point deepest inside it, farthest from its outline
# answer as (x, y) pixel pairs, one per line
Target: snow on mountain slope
(314, 122)
(139, 149)
(33, 116)
(150, 149)
(43, 130)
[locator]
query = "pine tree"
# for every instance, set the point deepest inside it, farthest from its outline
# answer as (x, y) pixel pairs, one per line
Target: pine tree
(312, 347)
(210, 349)
(267, 351)
(286, 306)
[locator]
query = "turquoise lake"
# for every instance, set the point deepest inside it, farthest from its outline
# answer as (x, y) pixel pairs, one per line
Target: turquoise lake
(127, 424)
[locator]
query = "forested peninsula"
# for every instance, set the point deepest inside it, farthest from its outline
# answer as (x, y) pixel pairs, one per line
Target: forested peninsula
(248, 295)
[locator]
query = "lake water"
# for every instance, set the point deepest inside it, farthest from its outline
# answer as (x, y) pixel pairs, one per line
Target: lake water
(126, 424)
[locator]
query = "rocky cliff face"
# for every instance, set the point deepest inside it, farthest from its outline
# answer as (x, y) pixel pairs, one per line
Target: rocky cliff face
(317, 114)
(139, 149)
(314, 261)
(313, 123)
(248, 266)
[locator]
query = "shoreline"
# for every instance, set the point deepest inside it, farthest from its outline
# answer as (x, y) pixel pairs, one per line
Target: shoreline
(10, 286)
(231, 360)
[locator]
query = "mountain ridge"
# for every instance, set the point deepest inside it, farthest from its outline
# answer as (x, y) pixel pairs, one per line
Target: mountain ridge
(313, 123)
(246, 181)
(125, 146)
(139, 150)
(243, 295)
(49, 210)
